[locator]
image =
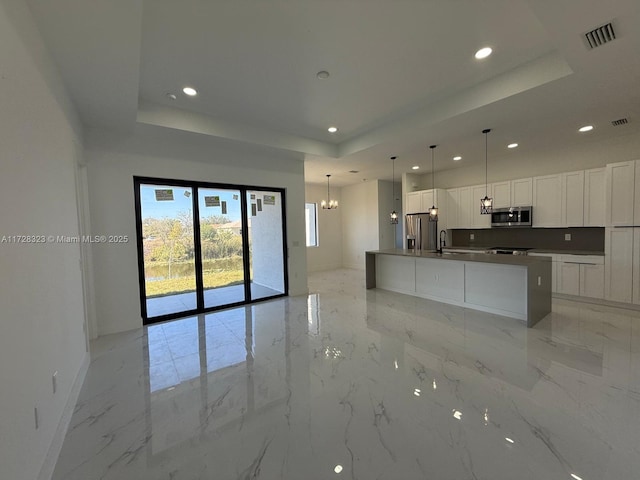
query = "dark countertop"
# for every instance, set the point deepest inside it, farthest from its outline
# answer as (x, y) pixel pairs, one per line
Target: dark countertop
(537, 250)
(465, 257)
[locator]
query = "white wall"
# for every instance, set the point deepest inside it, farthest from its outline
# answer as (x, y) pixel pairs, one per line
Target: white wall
(328, 254)
(113, 159)
(266, 242)
(360, 220)
(42, 317)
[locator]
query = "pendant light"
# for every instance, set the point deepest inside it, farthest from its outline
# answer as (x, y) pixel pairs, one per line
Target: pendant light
(433, 211)
(329, 204)
(486, 203)
(393, 215)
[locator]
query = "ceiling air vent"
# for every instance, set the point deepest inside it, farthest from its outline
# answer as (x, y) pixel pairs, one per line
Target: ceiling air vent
(620, 121)
(601, 35)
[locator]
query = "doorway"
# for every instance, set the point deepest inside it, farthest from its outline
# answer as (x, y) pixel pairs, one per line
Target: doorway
(203, 246)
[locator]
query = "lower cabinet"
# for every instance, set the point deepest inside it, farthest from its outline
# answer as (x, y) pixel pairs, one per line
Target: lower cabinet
(581, 275)
(619, 268)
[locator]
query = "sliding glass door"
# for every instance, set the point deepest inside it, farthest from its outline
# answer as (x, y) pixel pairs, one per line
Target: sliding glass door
(168, 249)
(266, 254)
(206, 246)
(221, 246)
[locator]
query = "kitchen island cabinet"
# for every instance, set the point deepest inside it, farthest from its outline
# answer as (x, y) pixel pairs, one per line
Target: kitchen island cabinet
(514, 286)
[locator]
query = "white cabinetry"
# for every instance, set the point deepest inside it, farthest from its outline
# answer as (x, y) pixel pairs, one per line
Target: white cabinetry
(619, 271)
(572, 205)
(522, 192)
(547, 201)
(453, 207)
(592, 280)
(414, 202)
(594, 197)
(422, 201)
(501, 194)
(464, 207)
(581, 275)
(479, 220)
(513, 193)
(620, 194)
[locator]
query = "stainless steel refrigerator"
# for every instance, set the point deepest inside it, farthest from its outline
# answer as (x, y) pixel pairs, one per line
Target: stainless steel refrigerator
(421, 233)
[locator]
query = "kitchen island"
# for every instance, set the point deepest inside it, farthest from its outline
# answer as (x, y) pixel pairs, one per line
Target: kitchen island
(515, 286)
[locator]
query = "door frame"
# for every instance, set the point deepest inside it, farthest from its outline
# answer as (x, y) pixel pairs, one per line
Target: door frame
(195, 186)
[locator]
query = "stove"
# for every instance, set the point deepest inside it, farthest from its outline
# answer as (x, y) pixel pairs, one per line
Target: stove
(508, 250)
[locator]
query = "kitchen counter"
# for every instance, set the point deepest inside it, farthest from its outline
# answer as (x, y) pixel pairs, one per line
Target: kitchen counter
(533, 250)
(516, 286)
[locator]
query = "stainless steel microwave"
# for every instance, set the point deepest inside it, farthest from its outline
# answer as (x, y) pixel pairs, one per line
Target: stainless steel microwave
(512, 217)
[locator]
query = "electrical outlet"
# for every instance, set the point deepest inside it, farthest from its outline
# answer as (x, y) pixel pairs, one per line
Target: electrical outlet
(472, 236)
(54, 381)
(567, 237)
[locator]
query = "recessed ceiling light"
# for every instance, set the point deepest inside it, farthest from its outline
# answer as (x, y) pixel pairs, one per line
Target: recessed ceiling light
(483, 53)
(322, 74)
(332, 129)
(586, 128)
(190, 91)
(512, 145)
(457, 158)
(171, 96)
(338, 468)
(415, 167)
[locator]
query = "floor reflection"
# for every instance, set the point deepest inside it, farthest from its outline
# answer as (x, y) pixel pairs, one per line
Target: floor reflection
(379, 384)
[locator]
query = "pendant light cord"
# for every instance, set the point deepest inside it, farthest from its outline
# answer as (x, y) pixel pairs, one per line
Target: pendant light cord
(486, 169)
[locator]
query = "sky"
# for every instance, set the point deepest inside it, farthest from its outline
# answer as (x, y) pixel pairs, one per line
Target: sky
(152, 208)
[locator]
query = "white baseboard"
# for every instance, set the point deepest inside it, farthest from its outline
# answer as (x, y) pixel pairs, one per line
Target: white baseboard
(49, 464)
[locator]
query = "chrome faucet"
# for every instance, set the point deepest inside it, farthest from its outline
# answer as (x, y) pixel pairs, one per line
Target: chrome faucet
(443, 241)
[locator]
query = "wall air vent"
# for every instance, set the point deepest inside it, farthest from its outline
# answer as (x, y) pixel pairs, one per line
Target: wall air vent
(353, 171)
(599, 36)
(620, 121)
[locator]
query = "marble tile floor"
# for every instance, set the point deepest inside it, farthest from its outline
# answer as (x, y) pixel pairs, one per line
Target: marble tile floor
(362, 384)
(213, 297)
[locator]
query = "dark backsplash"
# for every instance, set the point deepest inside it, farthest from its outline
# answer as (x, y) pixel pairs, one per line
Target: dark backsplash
(582, 238)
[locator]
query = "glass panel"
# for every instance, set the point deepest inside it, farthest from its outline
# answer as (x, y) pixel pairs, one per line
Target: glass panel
(266, 257)
(221, 242)
(168, 246)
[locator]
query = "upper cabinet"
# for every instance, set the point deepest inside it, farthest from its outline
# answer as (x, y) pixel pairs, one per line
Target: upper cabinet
(422, 201)
(547, 199)
(414, 202)
(594, 197)
(513, 193)
(453, 208)
(522, 192)
(501, 192)
(619, 203)
(464, 207)
(572, 205)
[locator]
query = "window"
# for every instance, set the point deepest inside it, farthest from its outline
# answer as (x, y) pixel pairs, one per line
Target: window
(311, 223)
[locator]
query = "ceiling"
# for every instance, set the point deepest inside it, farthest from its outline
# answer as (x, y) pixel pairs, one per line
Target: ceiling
(402, 74)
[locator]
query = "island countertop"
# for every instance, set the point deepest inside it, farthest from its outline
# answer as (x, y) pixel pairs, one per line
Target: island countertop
(517, 286)
(465, 257)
